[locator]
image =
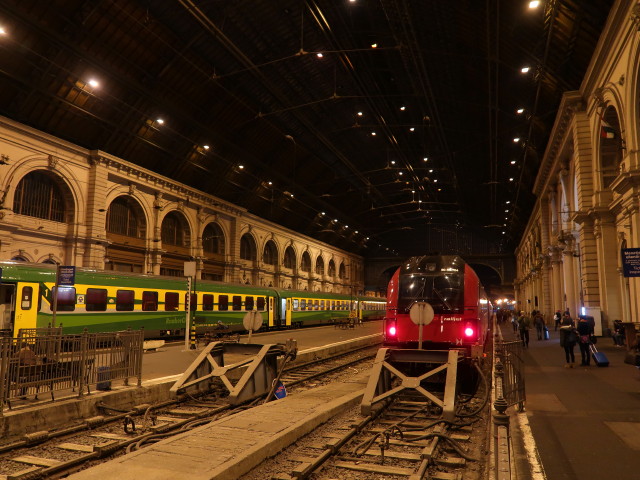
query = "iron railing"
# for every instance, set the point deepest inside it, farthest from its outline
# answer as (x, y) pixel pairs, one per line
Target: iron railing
(45, 360)
(510, 356)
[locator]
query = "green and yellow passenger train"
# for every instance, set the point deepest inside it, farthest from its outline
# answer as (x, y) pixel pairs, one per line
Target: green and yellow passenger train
(102, 301)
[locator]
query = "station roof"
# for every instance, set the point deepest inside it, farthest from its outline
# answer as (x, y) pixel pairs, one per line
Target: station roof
(372, 125)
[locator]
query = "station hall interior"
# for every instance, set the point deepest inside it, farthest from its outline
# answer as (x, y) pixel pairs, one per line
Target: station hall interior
(316, 145)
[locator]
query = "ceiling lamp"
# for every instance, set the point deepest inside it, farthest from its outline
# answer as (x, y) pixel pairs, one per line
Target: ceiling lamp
(534, 4)
(319, 55)
(525, 69)
(159, 121)
(93, 83)
(519, 111)
(2, 31)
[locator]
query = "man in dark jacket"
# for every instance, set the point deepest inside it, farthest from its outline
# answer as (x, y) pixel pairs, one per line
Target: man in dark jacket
(524, 324)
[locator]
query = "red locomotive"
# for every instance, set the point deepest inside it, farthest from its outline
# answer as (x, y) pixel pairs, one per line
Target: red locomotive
(461, 310)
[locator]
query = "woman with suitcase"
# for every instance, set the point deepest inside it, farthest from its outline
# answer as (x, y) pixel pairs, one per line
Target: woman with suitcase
(568, 339)
(584, 336)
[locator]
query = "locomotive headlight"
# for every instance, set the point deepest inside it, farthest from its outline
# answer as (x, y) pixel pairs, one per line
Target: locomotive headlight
(392, 331)
(469, 331)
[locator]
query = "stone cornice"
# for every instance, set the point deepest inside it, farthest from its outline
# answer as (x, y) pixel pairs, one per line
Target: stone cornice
(571, 102)
(166, 184)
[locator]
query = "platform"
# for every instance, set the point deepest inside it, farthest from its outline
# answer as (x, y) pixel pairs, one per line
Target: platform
(585, 421)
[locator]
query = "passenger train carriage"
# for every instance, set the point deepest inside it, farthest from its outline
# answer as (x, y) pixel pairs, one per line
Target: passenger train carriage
(450, 286)
(109, 301)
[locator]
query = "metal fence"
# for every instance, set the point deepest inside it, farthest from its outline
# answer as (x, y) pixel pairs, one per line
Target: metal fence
(44, 360)
(510, 355)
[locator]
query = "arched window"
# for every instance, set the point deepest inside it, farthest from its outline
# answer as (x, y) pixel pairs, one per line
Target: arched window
(342, 272)
(213, 239)
(610, 146)
(38, 195)
(270, 254)
(175, 230)
(289, 258)
(305, 264)
(332, 269)
(18, 258)
(247, 247)
(320, 265)
(125, 217)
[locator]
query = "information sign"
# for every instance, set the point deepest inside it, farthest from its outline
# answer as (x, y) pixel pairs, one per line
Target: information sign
(66, 275)
(631, 262)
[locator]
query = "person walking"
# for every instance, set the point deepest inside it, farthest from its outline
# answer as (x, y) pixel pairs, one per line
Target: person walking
(568, 339)
(584, 340)
(538, 321)
(524, 324)
(557, 318)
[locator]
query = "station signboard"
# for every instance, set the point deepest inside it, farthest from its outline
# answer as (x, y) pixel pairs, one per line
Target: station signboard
(66, 275)
(631, 262)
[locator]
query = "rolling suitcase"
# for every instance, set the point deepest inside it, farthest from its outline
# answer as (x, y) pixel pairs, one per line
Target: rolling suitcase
(599, 357)
(546, 333)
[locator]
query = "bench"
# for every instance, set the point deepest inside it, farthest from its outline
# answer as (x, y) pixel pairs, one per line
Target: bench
(343, 322)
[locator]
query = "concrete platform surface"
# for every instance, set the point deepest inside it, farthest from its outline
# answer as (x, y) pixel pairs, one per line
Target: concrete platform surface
(230, 447)
(585, 421)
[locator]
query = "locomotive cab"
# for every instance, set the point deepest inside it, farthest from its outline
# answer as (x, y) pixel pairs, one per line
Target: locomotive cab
(453, 291)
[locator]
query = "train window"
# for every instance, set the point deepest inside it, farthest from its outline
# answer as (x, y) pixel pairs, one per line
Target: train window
(316, 304)
(96, 300)
(171, 301)
(26, 298)
(237, 302)
(207, 301)
(223, 302)
(321, 304)
(66, 299)
(124, 300)
(303, 304)
(248, 303)
(295, 304)
(193, 302)
(260, 304)
(149, 301)
(333, 304)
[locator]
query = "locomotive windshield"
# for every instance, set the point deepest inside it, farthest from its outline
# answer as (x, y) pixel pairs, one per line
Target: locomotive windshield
(444, 291)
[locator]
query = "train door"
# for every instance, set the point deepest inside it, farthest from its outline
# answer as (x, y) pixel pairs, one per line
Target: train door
(26, 306)
(7, 307)
(271, 320)
(286, 305)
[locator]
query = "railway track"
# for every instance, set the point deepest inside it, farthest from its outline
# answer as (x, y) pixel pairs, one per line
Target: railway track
(56, 454)
(405, 439)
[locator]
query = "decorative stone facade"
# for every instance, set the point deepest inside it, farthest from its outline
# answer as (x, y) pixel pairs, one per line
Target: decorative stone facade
(90, 183)
(588, 189)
